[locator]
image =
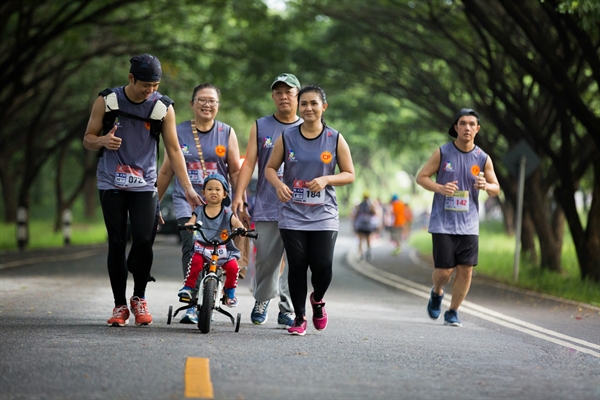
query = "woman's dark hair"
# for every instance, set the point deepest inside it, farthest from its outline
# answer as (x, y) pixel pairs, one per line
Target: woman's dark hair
(316, 89)
(206, 86)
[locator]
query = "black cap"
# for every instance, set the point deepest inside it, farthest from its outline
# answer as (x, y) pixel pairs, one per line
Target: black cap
(465, 111)
(145, 68)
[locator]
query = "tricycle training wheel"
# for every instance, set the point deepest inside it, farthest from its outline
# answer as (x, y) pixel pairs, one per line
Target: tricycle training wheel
(237, 322)
(169, 315)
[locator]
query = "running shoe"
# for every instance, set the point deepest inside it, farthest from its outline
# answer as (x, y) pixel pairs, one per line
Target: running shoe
(451, 318)
(285, 320)
(434, 307)
(319, 314)
(190, 317)
(299, 327)
(139, 308)
(259, 313)
(120, 316)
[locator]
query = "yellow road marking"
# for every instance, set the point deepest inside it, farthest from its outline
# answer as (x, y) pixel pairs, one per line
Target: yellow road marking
(197, 379)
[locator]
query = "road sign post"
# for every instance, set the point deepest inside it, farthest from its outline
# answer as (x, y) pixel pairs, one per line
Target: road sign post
(522, 165)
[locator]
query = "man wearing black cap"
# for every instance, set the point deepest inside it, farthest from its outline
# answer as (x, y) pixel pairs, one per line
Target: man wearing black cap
(127, 175)
(462, 170)
(268, 281)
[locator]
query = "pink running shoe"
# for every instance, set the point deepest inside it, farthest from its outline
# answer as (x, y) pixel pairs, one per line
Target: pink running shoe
(319, 314)
(120, 316)
(139, 308)
(299, 327)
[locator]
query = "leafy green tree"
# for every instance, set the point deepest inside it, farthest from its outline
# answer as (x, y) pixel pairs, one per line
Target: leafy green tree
(529, 69)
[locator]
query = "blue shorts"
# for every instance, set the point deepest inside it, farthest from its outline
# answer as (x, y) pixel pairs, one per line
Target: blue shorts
(452, 250)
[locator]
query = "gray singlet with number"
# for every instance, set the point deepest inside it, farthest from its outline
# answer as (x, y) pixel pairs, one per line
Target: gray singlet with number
(458, 214)
(212, 228)
(304, 160)
(137, 151)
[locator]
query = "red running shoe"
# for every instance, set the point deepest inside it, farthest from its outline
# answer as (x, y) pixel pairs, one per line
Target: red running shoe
(120, 316)
(139, 308)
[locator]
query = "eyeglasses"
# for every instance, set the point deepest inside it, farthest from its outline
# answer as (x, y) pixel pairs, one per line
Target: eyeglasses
(210, 102)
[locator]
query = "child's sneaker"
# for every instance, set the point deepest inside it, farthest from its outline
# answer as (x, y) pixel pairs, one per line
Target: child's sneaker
(319, 314)
(139, 308)
(120, 316)
(299, 327)
(230, 299)
(190, 317)
(185, 294)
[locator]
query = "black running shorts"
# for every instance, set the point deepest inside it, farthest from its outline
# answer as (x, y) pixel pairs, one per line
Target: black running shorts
(452, 250)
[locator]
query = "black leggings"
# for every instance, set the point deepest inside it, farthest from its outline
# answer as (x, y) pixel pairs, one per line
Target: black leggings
(142, 208)
(187, 246)
(308, 249)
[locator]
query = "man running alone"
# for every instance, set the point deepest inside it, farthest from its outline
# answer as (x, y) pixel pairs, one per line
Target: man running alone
(462, 170)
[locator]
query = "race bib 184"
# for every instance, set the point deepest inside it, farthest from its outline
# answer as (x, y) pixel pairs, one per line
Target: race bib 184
(303, 195)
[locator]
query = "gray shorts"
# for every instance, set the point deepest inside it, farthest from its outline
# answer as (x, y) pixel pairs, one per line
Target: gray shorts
(452, 250)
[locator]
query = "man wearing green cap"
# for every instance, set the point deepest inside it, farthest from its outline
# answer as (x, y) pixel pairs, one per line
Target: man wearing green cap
(269, 247)
(127, 175)
(462, 169)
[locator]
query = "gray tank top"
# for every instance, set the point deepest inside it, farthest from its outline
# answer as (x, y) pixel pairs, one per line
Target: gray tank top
(212, 228)
(133, 166)
(459, 214)
(214, 145)
(304, 160)
(268, 130)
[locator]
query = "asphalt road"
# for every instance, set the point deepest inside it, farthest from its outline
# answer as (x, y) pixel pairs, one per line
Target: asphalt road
(380, 343)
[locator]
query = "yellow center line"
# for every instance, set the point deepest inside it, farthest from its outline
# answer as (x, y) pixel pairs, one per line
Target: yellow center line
(197, 379)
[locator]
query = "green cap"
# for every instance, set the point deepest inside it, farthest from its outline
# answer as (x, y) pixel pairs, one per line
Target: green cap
(288, 79)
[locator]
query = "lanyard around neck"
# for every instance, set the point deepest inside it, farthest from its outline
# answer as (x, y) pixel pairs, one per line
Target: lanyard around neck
(196, 135)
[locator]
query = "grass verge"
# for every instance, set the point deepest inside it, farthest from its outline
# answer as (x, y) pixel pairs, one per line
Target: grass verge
(42, 235)
(496, 261)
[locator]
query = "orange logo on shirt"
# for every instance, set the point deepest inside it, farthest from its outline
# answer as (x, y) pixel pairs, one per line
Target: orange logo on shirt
(224, 235)
(220, 150)
(147, 125)
(326, 157)
(475, 170)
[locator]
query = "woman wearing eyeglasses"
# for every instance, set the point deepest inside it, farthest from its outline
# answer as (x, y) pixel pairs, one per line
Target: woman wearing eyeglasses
(209, 146)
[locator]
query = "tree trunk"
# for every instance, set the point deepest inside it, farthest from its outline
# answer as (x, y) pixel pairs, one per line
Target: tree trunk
(587, 242)
(8, 195)
(528, 249)
(508, 215)
(537, 203)
(58, 190)
(90, 189)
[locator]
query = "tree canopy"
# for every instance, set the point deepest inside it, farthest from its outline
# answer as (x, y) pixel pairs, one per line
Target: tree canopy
(396, 71)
